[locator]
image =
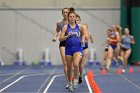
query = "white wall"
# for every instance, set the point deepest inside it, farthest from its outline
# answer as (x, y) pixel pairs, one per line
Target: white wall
(62, 3)
(23, 29)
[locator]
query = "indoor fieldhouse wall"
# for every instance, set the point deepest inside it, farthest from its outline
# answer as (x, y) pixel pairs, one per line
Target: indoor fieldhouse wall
(31, 29)
(63, 3)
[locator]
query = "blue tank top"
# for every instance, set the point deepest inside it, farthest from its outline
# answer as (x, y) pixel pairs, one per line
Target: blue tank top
(62, 24)
(75, 39)
(126, 41)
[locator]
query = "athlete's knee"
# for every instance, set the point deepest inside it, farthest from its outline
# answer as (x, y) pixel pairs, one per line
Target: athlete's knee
(109, 57)
(64, 60)
(85, 55)
(125, 57)
(69, 69)
(76, 65)
(65, 64)
(80, 65)
(105, 58)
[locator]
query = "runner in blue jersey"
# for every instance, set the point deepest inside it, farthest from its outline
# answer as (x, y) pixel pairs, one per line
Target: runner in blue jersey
(126, 42)
(73, 49)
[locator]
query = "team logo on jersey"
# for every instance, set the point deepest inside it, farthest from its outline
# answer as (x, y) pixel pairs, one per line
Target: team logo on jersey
(77, 34)
(113, 35)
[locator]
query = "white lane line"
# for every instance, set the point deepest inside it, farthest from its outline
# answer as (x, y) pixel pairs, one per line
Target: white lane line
(130, 82)
(36, 74)
(45, 91)
(16, 74)
(22, 78)
(26, 74)
(6, 74)
(46, 80)
(89, 88)
(48, 86)
(12, 83)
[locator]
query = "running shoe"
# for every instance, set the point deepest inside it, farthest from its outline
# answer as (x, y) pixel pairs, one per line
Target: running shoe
(70, 87)
(80, 80)
(67, 86)
(75, 84)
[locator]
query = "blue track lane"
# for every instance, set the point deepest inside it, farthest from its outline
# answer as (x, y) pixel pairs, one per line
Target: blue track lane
(36, 76)
(59, 83)
(28, 84)
(114, 83)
